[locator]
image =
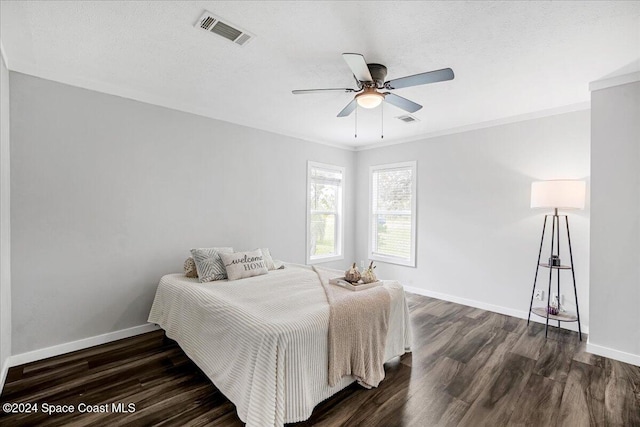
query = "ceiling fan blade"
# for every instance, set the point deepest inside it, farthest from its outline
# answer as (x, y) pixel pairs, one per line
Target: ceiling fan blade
(303, 91)
(420, 79)
(358, 66)
(401, 102)
(348, 109)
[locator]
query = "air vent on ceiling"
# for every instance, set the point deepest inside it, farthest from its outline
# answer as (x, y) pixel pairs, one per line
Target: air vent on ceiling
(407, 118)
(214, 24)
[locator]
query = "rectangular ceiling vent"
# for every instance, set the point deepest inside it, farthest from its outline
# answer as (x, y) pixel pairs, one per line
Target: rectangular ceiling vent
(407, 118)
(214, 24)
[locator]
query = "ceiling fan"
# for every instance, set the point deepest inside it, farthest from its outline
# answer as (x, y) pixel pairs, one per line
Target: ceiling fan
(370, 78)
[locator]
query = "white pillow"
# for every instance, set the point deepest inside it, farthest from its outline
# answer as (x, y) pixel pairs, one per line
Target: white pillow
(241, 265)
(209, 264)
(268, 259)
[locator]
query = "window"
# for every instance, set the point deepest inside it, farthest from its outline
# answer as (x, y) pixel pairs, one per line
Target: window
(325, 184)
(392, 213)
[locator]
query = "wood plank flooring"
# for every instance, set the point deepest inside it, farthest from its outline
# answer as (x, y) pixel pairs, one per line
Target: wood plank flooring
(469, 367)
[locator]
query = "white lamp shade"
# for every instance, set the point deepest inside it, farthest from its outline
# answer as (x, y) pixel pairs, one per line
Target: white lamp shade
(558, 194)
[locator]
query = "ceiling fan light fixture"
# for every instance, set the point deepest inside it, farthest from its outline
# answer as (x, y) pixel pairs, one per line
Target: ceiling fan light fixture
(371, 77)
(370, 98)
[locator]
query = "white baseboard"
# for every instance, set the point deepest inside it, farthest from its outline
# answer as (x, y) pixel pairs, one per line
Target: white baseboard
(521, 314)
(611, 353)
(56, 350)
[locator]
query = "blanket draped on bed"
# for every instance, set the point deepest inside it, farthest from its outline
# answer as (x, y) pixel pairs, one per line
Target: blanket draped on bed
(358, 325)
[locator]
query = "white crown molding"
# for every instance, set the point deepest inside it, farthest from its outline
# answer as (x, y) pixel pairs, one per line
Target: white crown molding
(489, 307)
(56, 350)
(615, 81)
(612, 353)
(580, 106)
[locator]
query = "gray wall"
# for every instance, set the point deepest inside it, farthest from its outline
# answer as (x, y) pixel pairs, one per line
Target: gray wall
(477, 237)
(615, 220)
(109, 194)
(5, 225)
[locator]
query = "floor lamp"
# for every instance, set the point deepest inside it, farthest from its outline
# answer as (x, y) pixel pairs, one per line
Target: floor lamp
(556, 195)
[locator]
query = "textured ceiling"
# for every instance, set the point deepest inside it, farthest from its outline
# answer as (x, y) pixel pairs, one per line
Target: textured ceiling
(509, 58)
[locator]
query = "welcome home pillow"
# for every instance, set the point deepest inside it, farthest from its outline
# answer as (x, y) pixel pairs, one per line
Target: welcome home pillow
(208, 263)
(241, 265)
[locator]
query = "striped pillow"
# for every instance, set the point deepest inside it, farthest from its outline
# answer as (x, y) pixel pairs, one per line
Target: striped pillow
(209, 264)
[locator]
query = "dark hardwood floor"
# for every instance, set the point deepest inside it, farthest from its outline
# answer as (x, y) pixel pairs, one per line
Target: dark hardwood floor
(469, 367)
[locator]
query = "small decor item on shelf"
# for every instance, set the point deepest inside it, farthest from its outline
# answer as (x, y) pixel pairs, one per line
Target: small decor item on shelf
(554, 261)
(368, 276)
(352, 275)
(554, 307)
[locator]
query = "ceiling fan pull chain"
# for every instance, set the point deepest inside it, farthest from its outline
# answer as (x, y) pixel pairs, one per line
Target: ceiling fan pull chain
(382, 121)
(356, 131)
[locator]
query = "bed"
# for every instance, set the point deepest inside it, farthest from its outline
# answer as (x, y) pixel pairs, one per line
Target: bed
(263, 340)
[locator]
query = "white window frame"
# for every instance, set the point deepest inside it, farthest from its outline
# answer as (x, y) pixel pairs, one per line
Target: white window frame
(411, 261)
(339, 228)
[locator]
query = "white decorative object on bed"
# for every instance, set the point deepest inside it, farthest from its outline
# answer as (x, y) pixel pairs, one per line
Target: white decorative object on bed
(263, 341)
(339, 281)
(268, 259)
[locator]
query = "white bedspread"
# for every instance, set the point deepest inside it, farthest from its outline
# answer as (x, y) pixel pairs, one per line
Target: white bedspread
(263, 340)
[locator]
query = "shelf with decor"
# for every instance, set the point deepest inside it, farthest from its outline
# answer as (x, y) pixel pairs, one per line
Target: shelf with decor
(558, 267)
(561, 316)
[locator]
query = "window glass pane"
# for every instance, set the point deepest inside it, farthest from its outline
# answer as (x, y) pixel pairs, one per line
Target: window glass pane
(323, 234)
(392, 235)
(325, 210)
(392, 210)
(392, 190)
(323, 197)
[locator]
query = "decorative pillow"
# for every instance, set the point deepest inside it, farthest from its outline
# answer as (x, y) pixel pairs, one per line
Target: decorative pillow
(268, 260)
(241, 265)
(208, 263)
(190, 268)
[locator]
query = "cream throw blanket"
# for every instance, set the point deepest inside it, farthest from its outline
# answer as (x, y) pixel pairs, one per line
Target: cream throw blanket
(358, 325)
